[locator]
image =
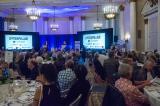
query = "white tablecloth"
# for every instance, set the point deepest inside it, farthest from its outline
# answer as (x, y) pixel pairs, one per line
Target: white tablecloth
(153, 94)
(23, 94)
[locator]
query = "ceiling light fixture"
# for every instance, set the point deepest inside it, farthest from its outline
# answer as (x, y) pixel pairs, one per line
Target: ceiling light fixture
(13, 26)
(54, 26)
(110, 10)
(97, 25)
(33, 13)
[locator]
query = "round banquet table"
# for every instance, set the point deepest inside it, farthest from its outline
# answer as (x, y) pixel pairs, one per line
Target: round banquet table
(23, 94)
(153, 94)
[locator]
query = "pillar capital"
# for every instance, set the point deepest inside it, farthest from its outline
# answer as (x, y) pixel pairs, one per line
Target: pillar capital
(132, 1)
(6, 19)
(146, 21)
(121, 7)
(83, 17)
(71, 18)
(12, 19)
(45, 18)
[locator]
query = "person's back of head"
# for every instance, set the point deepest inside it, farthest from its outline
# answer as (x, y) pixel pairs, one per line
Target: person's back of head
(69, 64)
(49, 72)
(96, 55)
(111, 54)
(125, 71)
(148, 65)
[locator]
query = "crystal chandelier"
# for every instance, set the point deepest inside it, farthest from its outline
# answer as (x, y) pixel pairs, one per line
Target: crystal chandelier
(13, 26)
(54, 26)
(97, 25)
(33, 13)
(110, 10)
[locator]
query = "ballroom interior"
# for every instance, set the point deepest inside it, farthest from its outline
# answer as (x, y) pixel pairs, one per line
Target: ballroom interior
(79, 52)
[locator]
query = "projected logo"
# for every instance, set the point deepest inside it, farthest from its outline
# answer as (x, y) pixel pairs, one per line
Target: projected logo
(18, 42)
(94, 41)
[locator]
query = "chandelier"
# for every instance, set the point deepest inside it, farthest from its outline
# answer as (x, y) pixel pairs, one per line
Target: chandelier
(13, 26)
(97, 25)
(110, 10)
(33, 13)
(54, 26)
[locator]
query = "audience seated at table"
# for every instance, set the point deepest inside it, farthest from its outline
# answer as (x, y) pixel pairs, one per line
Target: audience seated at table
(132, 95)
(49, 93)
(61, 70)
(80, 87)
(67, 76)
(110, 66)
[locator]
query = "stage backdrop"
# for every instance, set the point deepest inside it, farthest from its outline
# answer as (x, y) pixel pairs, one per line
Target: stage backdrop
(56, 41)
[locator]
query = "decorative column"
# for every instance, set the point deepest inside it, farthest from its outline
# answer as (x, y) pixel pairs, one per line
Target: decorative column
(45, 30)
(121, 22)
(158, 25)
(106, 23)
(83, 18)
(34, 26)
(6, 20)
(146, 34)
(71, 26)
(113, 26)
(133, 24)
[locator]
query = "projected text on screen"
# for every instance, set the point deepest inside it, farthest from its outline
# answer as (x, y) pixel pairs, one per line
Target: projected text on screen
(94, 41)
(18, 42)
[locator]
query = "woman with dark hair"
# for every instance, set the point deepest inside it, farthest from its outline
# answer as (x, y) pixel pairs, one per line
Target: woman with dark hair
(33, 69)
(80, 87)
(60, 61)
(100, 73)
(48, 94)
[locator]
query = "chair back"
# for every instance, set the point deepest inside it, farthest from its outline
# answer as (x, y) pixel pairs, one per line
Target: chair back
(64, 93)
(113, 97)
(76, 101)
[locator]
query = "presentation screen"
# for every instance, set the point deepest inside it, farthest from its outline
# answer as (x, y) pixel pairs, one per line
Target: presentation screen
(94, 41)
(18, 42)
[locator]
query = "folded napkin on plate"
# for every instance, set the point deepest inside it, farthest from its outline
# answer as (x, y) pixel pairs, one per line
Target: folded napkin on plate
(156, 94)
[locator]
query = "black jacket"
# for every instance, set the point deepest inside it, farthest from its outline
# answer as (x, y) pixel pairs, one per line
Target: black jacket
(79, 87)
(113, 97)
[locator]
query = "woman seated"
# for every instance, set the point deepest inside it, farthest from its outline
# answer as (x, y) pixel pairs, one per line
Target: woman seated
(132, 95)
(81, 86)
(66, 77)
(49, 93)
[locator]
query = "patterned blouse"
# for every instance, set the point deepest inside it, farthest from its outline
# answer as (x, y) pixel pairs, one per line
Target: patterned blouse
(66, 78)
(132, 95)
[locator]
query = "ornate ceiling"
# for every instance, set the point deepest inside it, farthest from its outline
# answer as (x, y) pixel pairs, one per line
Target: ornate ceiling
(63, 6)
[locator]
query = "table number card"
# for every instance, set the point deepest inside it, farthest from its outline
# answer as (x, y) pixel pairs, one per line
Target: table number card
(8, 56)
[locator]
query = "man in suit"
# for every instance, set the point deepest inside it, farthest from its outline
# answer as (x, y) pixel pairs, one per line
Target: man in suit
(110, 66)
